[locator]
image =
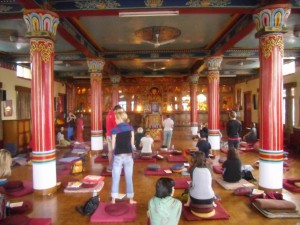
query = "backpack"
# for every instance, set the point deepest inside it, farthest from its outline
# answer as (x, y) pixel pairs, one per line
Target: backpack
(2, 207)
(89, 206)
(247, 175)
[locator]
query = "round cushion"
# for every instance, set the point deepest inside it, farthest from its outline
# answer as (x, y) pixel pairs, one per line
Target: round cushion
(146, 156)
(12, 186)
(242, 191)
(164, 148)
(202, 208)
(16, 220)
(153, 167)
(204, 215)
(297, 184)
(177, 168)
(116, 209)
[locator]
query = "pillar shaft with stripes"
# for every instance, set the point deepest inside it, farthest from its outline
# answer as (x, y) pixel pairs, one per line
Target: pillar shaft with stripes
(41, 29)
(95, 67)
(270, 24)
(194, 103)
(213, 65)
(115, 80)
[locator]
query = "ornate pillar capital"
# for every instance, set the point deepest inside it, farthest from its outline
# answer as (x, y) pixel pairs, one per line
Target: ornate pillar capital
(214, 63)
(193, 79)
(271, 19)
(115, 79)
(41, 23)
(95, 65)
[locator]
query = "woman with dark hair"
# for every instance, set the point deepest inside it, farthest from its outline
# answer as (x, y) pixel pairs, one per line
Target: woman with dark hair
(163, 208)
(232, 167)
(234, 129)
(200, 191)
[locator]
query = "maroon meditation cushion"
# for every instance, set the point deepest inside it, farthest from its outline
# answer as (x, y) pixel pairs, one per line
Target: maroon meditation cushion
(201, 208)
(12, 186)
(16, 220)
(116, 209)
(242, 191)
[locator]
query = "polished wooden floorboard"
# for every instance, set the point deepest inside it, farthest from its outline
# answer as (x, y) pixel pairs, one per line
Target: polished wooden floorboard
(61, 206)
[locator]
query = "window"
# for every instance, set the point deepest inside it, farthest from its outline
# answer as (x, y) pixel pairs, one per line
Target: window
(23, 72)
(289, 68)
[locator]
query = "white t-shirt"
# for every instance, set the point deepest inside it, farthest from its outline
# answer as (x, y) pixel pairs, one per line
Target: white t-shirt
(168, 124)
(147, 143)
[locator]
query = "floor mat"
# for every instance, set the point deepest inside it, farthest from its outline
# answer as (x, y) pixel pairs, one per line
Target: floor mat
(233, 186)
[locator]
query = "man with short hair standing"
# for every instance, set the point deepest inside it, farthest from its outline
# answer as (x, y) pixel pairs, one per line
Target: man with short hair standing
(168, 125)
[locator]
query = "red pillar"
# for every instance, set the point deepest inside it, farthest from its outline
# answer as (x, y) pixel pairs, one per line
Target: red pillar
(41, 29)
(115, 80)
(213, 65)
(270, 23)
(194, 103)
(95, 68)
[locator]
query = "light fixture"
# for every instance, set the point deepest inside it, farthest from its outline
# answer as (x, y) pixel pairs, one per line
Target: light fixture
(149, 13)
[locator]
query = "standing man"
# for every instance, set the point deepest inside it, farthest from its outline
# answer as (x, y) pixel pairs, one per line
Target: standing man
(71, 120)
(110, 124)
(168, 125)
(234, 129)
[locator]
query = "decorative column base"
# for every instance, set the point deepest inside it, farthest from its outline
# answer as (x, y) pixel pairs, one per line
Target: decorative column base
(96, 141)
(194, 130)
(214, 138)
(270, 162)
(44, 172)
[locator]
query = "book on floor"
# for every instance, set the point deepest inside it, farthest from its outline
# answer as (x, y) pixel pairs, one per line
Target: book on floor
(92, 179)
(74, 185)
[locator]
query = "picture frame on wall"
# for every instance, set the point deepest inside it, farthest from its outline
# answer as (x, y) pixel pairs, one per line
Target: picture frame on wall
(7, 108)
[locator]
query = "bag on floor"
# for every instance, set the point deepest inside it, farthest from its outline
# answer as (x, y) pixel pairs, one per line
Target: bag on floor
(77, 167)
(247, 175)
(89, 206)
(3, 207)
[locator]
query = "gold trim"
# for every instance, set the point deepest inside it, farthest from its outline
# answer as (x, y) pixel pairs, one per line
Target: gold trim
(46, 192)
(46, 48)
(267, 44)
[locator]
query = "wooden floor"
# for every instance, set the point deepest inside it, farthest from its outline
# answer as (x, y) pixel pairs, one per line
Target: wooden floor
(61, 206)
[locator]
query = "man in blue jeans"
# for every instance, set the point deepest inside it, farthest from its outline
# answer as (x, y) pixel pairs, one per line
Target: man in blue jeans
(168, 125)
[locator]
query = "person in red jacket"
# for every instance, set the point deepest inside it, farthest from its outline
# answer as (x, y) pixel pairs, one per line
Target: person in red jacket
(110, 124)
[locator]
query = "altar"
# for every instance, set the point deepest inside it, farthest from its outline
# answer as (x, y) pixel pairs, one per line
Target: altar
(154, 125)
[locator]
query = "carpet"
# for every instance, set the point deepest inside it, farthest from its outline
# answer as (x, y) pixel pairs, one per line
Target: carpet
(85, 190)
(233, 186)
(140, 160)
(220, 213)
(100, 215)
(179, 158)
(182, 183)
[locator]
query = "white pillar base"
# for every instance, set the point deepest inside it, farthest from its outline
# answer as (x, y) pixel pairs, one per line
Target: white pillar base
(44, 175)
(194, 130)
(96, 143)
(215, 142)
(271, 173)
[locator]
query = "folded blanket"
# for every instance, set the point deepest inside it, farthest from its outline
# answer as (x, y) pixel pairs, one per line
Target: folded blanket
(274, 204)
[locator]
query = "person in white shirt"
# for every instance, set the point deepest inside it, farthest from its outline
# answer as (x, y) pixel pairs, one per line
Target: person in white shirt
(147, 143)
(168, 125)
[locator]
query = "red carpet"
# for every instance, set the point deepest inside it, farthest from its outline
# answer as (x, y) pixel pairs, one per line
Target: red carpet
(182, 183)
(177, 159)
(108, 174)
(100, 215)
(220, 213)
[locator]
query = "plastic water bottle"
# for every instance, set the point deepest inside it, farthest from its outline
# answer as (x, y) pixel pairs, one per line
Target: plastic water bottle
(95, 193)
